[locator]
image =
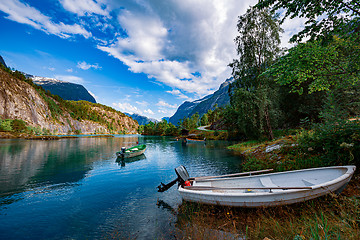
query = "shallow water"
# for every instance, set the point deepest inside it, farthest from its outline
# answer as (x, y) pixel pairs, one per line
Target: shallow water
(75, 188)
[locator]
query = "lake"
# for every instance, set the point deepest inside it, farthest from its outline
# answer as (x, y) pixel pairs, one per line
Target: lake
(76, 188)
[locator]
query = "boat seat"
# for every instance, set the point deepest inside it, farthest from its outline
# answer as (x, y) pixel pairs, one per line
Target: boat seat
(308, 182)
(267, 182)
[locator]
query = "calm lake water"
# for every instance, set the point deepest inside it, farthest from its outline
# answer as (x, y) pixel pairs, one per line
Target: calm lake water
(75, 188)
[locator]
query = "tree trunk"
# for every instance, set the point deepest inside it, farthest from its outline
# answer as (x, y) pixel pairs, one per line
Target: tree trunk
(271, 135)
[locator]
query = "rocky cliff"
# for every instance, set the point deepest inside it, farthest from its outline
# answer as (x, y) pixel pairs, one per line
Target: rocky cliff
(66, 90)
(24, 100)
(219, 98)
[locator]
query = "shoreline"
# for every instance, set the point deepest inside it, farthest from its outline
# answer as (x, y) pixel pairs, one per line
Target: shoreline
(11, 135)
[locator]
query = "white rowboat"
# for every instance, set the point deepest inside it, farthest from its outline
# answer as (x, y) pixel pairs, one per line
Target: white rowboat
(270, 189)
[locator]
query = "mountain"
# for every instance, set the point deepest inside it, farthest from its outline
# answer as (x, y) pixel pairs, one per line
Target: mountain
(220, 98)
(166, 119)
(142, 120)
(66, 90)
(21, 99)
(2, 61)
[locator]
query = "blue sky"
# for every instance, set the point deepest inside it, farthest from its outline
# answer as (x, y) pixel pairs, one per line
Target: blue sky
(139, 56)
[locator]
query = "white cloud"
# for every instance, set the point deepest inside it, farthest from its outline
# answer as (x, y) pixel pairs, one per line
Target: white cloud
(146, 36)
(291, 27)
(168, 46)
(178, 94)
(143, 103)
(85, 66)
(83, 7)
(127, 107)
(24, 13)
(70, 70)
(51, 69)
(162, 103)
(167, 112)
(149, 112)
(69, 78)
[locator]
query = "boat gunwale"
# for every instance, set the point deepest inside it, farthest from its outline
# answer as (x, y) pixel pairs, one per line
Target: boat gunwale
(350, 169)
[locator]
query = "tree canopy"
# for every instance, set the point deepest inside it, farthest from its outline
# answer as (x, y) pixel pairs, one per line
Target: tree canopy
(324, 18)
(252, 95)
(330, 58)
(313, 66)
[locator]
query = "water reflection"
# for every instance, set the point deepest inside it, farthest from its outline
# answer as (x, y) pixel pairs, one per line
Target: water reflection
(24, 162)
(75, 188)
(123, 161)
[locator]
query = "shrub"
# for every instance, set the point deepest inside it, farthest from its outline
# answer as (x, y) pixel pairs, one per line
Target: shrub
(5, 125)
(18, 125)
(337, 142)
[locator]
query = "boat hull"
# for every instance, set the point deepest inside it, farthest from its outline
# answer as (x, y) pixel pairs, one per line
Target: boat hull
(266, 197)
(194, 140)
(131, 152)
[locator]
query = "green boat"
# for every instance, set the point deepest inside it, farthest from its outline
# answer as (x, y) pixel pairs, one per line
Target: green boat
(131, 152)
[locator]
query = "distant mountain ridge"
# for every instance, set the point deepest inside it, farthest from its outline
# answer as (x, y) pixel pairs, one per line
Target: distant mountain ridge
(66, 90)
(220, 98)
(142, 120)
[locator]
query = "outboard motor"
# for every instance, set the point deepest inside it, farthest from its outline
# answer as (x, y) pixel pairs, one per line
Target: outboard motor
(183, 176)
(122, 152)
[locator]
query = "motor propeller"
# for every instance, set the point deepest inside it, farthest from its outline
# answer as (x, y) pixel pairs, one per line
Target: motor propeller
(183, 176)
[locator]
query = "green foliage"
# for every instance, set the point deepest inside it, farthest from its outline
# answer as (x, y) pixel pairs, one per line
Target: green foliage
(254, 98)
(45, 131)
(325, 18)
(162, 128)
(5, 125)
(54, 108)
(336, 139)
(314, 66)
(204, 120)
(77, 131)
(34, 130)
(18, 125)
(255, 164)
(141, 129)
(243, 146)
(214, 115)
